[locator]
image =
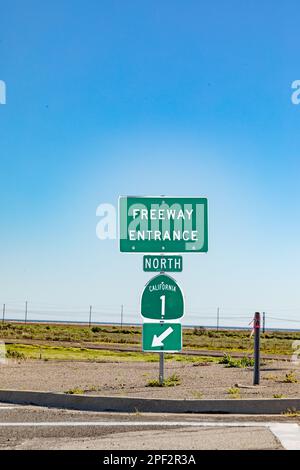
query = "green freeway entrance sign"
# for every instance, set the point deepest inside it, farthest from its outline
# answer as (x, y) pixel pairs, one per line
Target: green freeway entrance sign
(162, 299)
(162, 337)
(163, 224)
(170, 263)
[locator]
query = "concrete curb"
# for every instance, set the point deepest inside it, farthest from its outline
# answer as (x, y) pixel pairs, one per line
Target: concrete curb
(150, 405)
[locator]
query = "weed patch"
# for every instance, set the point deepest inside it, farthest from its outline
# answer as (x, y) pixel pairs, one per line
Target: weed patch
(171, 381)
(229, 361)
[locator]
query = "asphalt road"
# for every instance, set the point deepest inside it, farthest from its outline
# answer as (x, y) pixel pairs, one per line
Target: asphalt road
(27, 427)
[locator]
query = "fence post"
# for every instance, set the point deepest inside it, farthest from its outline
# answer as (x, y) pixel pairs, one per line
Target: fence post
(90, 317)
(26, 311)
(122, 312)
(3, 313)
(256, 377)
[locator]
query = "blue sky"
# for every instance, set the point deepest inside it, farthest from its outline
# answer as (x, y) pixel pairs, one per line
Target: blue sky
(142, 97)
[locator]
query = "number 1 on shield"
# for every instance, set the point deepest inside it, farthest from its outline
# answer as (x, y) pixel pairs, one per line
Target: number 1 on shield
(163, 305)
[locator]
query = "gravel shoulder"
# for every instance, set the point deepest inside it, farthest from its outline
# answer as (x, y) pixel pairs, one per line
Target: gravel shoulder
(198, 381)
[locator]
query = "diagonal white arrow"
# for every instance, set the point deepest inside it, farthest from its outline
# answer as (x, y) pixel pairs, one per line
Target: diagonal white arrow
(158, 340)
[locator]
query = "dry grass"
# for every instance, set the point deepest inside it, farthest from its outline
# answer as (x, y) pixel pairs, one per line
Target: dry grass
(198, 338)
(61, 353)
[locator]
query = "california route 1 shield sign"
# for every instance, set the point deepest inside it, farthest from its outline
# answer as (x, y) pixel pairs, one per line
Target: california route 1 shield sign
(163, 224)
(162, 299)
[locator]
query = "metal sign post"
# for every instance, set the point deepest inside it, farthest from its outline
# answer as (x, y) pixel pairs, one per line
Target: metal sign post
(256, 378)
(161, 369)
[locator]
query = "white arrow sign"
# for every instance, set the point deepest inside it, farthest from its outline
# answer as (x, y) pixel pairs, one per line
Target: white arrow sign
(158, 340)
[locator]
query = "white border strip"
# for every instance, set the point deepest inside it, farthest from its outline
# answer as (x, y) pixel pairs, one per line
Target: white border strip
(287, 434)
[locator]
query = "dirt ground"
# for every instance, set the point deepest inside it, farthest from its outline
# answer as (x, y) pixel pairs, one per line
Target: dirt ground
(131, 379)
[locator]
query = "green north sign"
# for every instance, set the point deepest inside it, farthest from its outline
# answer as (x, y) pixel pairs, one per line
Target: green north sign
(163, 224)
(162, 299)
(152, 263)
(166, 337)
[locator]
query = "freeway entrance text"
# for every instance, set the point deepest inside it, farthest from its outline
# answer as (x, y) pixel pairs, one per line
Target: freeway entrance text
(163, 224)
